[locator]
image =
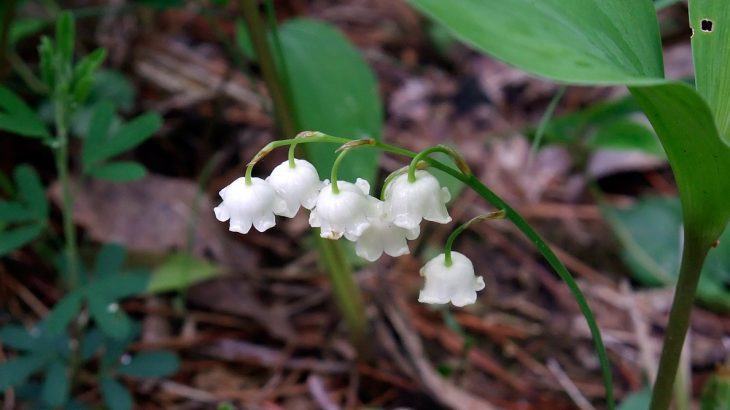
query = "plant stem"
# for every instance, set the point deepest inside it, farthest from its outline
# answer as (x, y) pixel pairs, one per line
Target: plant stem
(455, 234)
(347, 294)
(695, 251)
(522, 225)
(62, 167)
(458, 160)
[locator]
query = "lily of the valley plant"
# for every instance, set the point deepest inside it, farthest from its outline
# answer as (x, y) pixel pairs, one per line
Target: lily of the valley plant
(344, 209)
(385, 225)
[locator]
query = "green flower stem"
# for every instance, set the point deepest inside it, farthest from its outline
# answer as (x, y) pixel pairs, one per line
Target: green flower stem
(249, 169)
(458, 160)
(339, 270)
(62, 167)
(292, 149)
(524, 227)
(695, 251)
(335, 169)
(450, 241)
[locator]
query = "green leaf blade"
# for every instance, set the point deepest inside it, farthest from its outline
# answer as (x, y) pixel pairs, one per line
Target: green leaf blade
(181, 271)
(56, 387)
(119, 171)
(578, 42)
(710, 22)
(347, 104)
(699, 158)
(151, 365)
(116, 396)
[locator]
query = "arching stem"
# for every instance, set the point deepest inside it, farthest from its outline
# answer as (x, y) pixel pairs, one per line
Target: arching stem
(450, 242)
(458, 160)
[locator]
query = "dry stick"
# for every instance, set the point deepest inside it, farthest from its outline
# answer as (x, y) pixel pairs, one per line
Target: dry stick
(570, 388)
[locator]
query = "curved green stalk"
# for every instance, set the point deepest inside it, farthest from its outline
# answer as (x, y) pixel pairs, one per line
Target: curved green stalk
(520, 223)
(455, 234)
(458, 160)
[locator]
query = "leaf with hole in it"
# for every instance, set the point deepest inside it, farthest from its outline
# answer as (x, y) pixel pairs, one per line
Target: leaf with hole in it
(18, 118)
(64, 312)
(333, 91)
(710, 22)
(151, 364)
(119, 171)
(651, 235)
(16, 371)
(179, 272)
(699, 157)
(626, 135)
(15, 238)
(116, 396)
(581, 42)
(56, 386)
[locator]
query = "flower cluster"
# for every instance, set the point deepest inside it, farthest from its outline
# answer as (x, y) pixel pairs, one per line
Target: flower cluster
(345, 209)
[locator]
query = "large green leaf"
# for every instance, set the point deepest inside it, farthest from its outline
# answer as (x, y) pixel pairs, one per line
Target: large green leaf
(56, 387)
(17, 370)
(576, 41)
(333, 91)
(710, 21)
(700, 159)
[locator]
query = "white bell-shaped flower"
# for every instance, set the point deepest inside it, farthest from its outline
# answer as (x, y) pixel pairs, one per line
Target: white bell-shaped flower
(456, 283)
(297, 186)
(247, 205)
(343, 213)
(384, 236)
(409, 202)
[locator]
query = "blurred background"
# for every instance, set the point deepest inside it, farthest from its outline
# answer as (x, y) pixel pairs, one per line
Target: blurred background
(194, 316)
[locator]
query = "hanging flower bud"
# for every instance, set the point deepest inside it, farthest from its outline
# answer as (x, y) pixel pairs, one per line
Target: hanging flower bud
(408, 202)
(456, 283)
(297, 186)
(247, 205)
(345, 212)
(383, 236)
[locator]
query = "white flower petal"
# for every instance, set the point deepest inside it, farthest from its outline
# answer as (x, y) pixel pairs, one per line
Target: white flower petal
(456, 283)
(297, 186)
(410, 202)
(382, 235)
(247, 205)
(344, 213)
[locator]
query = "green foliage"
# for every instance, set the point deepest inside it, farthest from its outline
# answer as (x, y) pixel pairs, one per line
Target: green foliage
(181, 271)
(710, 22)
(626, 135)
(651, 234)
(108, 137)
(26, 216)
(716, 391)
(334, 91)
(637, 401)
(102, 294)
(699, 158)
(150, 364)
(17, 117)
(116, 396)
(580, 42)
